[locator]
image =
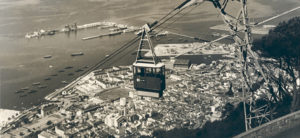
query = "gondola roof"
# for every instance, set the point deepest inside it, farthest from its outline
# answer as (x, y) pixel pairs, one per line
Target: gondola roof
(147, 65)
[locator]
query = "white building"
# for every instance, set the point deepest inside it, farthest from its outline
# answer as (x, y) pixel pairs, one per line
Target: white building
(114, 120)
(45, 134)
(123, 101)
(60, 132)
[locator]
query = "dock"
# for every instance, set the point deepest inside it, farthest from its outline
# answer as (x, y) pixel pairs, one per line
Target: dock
(92, 37)
(102, 35)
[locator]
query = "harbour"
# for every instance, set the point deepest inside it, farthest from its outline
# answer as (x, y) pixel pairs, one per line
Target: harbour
(22, 59)
(178, 75)
(26, 61)
(113, 27)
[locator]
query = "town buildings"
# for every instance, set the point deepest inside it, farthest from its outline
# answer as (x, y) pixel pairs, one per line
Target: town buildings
(104, 103)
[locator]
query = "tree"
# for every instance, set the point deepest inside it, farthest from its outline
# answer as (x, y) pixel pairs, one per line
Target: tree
(156, 115)
(49, 122)
(231, 126)
(282, 43)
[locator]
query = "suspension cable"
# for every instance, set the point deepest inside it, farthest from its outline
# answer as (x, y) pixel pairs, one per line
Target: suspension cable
(113, 54)
(176, 19)
(132, 41)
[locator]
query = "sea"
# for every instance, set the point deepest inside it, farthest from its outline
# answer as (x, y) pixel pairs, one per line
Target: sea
(21, 59)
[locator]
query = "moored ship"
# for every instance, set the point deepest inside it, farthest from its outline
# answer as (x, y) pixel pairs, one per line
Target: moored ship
(19, 91)
(36, 83)
(115, 33)
(77, 54)
(25, 88)
(48, 56)
(32, 91)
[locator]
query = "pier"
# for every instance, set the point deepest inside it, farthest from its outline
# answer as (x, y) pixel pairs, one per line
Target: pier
(95, 36)
(102, 35)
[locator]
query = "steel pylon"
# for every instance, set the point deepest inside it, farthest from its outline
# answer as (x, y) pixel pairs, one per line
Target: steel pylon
(240, 28)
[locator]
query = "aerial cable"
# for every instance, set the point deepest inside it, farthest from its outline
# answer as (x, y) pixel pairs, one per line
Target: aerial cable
(128, 44)
(274, 17)
(166, 15)
(177, 8)
(132, 41)
(225, 36)
(114, 53)
(169, 24)
(168, 19)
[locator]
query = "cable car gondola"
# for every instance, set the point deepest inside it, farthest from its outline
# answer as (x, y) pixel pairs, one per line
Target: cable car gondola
(148, 71)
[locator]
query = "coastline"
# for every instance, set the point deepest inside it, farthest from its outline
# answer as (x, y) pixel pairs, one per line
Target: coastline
(71, 96)
(26, 66)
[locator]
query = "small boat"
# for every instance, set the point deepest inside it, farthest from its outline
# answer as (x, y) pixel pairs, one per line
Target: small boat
(42, 87)
(61, 71)
(48, 78)
(32, 91)
(68, 67)
(19, 91)
(106, 56)
(36, 83)
(48, 56)
(64, 82)
(25, 88)
(77, 54)
(79, 70)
